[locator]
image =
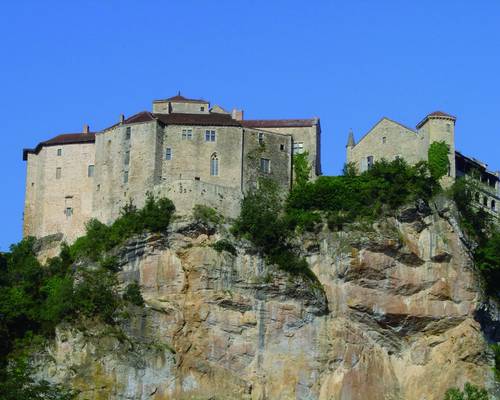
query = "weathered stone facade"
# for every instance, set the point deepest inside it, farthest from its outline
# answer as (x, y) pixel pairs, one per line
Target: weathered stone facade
(183, 150)
(389, 139)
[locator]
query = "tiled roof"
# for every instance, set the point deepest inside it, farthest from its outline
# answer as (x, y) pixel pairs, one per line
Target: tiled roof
(197, 119)
(143, 116)
(435, 114)
(278, 123)
(66, 138)
(181, 99)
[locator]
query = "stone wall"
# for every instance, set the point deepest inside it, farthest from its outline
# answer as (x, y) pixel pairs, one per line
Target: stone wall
(59, 203)
(399, 141)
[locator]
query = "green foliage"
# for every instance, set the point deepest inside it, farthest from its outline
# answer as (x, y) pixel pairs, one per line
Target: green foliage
(263, 222)
(100, 238)
(224, 245)
(301, 168)
(470, 392)
(496, 350)
(380, 190)
(439, 162)
(17, 383)
(133, 294)
(206, 215)
(478, 225)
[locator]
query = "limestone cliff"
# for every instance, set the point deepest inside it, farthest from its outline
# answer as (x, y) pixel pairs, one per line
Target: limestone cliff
(394, 319)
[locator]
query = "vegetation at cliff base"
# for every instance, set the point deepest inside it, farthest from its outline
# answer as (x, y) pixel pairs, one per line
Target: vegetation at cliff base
(35, 298)
(470, 392)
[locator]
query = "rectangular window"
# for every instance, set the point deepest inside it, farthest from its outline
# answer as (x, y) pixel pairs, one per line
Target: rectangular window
(187, 134)
(168, 153)
(68, 211)
(298, 147)
(127, 158)
(59, 152)
(369, 162)
(282, 147)
(209, 136)
(125, 177)
(261, 138)
(265, 165)
(90, 171)
(384, 139)
(58, 173)
(128, 131)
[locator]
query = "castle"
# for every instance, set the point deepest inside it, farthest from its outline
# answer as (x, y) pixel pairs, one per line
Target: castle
(196, 154)
(389, 139)
(183, 149)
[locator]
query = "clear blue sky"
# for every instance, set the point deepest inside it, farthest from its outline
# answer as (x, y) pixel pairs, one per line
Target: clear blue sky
(66, 63)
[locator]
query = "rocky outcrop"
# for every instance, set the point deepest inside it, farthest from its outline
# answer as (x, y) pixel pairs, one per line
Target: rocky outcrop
(393, 318)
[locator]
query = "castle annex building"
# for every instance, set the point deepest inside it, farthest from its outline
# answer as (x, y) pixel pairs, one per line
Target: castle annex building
(389, 139)
(183, 149)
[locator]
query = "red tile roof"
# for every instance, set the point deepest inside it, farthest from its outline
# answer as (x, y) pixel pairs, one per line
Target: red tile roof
(143, 116)
(278, 123)
(66, 138)
(198, 119)
(180, 99)
(435, 114)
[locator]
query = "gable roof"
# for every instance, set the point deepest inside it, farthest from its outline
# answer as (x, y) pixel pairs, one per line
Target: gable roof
(379, 122)
(279, 123)
(66, 138)
(180, 99)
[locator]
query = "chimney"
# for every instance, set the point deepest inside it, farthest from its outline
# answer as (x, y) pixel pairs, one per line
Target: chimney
(86, 129)
(237, 114)
(122, 118)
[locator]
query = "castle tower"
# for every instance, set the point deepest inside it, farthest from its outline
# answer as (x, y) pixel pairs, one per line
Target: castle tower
(439, 127)
(350, 144)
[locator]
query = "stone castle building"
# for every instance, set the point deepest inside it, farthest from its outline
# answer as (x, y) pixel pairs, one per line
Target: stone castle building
(183, 149)
(389, 139)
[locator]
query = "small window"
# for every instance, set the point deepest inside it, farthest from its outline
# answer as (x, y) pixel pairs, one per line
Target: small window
(90, 171)
(68, 211)
(298, 147)
(476, 197)
(98, 188)
(58, 173)
(282, 147)
(187, 134)
(493, 205)
(127, 158)
(59, 152)
(209, 136)
(384, 140)
(261, 138)
(168, 153)
(265, 165)
(214, 165)
(369, 162)
(125, 177)
(448, 127)
(202, 108)
(128, 131)
(485, 201)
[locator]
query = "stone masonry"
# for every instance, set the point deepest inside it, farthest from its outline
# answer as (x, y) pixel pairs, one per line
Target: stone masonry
(184, 150)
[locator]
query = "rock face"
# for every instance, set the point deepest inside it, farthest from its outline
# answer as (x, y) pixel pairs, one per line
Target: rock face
(394, 319)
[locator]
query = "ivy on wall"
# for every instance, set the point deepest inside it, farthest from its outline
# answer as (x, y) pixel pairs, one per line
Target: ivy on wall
(439, 163)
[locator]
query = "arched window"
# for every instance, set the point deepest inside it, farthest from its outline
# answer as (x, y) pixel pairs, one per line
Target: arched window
(214, 165)
(485, 201)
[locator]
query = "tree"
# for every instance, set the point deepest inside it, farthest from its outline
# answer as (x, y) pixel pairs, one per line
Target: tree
(439, 162)
(470, 392)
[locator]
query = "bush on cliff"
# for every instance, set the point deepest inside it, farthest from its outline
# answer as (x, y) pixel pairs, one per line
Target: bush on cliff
(380, 190)
(470, 392)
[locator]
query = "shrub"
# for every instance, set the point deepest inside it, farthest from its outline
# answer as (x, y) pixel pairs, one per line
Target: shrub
(206, 215)
(470, 392)
(301, 168)
(224, 245)
(133, 294)
(439, 162)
